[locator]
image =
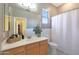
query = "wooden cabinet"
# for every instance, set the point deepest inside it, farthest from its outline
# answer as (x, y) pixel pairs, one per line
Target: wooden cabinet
(37, 48)
(43, 47)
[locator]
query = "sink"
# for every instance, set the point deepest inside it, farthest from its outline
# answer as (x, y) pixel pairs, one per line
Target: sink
(14, 39)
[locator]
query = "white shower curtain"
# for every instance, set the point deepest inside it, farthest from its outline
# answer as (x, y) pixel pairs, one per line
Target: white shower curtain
(65, 31)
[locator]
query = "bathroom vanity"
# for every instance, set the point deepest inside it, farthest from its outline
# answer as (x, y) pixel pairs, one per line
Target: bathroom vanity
(33, 46)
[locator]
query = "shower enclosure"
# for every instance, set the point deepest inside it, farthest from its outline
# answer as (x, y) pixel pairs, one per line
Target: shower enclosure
(65, 32)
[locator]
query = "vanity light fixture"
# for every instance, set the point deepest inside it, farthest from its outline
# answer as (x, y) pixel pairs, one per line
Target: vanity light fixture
(29, 6)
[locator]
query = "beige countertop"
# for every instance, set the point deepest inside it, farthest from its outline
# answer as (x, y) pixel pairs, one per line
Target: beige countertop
(6, 46)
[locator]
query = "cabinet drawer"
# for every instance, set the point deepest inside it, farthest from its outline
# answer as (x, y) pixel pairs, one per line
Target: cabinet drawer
(44, 42)
(29, 46)
(15, 51)
(20, 53)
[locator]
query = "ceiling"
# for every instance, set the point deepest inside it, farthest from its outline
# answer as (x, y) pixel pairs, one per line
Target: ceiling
(57, 4)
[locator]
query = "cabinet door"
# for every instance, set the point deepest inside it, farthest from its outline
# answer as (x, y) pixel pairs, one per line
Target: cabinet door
(44, 47)
(32, 49)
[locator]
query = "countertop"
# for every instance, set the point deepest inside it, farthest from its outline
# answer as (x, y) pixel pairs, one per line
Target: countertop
(6, 46)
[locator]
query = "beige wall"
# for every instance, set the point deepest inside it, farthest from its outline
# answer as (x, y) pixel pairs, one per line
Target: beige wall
(67, 7)
(52, 9)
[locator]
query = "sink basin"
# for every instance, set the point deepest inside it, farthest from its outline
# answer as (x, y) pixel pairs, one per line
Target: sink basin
(14, 39)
